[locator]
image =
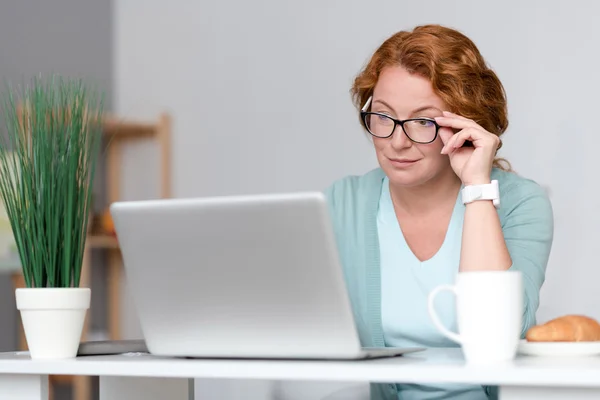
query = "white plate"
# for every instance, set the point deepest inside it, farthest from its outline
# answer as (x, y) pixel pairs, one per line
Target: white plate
(554, 349)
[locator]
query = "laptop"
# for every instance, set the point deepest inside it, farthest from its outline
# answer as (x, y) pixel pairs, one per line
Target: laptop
(254, 276)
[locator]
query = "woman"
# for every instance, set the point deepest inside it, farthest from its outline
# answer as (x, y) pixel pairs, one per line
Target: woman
(435, 112)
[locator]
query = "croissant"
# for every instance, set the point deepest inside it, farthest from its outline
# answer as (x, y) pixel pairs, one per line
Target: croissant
(569, 328)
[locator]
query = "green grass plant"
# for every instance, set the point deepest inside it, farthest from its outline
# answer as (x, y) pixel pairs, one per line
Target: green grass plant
(48, 157)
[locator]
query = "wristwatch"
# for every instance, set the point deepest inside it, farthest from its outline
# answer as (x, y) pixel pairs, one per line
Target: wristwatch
(488, 191)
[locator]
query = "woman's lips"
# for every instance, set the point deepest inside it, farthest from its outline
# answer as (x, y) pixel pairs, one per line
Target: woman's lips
(402, 162)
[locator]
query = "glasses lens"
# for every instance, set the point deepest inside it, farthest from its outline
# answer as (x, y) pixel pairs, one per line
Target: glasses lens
(379, 125)
(420, 130)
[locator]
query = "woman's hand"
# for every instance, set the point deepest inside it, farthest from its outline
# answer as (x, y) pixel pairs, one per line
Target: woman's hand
(473, 165)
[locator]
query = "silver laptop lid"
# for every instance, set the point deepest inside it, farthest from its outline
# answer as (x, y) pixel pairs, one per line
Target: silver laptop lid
(242, 276)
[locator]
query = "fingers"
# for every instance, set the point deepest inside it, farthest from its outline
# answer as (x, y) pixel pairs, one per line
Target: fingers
(454, 121)
(456, 141)
(479, 137)
(451, 114)
(469, 130)
(448, 121)
(446, 134)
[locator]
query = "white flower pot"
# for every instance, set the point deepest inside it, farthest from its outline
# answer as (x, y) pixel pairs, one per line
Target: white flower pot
(53, 320)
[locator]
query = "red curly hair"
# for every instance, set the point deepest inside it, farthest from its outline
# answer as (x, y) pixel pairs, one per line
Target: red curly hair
(455, 68)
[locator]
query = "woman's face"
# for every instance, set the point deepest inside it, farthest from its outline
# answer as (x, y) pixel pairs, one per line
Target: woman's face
(402, 95)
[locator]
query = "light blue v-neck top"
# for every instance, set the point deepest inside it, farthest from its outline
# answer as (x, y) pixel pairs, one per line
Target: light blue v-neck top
(405, 284)
(353, 202)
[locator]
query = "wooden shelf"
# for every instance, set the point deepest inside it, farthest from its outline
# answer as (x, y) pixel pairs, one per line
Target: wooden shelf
(102, 242)
(118, 131)
(113, 126)
(120, 127)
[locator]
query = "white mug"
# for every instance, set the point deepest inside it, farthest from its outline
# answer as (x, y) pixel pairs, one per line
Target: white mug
(489, 311)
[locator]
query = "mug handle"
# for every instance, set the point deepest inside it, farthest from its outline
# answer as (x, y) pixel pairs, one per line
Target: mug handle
(434, 316)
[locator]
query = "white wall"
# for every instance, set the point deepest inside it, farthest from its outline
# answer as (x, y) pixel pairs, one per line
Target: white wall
(259, 95)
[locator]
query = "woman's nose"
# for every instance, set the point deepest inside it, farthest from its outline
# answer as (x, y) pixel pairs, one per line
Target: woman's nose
(399, 140)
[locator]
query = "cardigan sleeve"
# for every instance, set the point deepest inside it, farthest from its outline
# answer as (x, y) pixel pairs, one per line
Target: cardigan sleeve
(528, 228)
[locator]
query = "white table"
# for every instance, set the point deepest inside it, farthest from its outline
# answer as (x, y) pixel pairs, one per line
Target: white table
(142, 376)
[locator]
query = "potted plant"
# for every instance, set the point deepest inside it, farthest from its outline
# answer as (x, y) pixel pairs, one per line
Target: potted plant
(47, 163)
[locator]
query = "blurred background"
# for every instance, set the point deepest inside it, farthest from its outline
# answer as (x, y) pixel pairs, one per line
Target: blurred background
(234, 97)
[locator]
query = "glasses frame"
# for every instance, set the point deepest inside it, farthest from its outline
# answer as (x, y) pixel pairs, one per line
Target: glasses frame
(364, 114)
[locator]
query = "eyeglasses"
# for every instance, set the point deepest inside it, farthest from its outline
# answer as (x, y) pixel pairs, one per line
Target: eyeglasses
(418, 130)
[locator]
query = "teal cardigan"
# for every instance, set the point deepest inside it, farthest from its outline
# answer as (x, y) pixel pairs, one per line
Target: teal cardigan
(527, 223)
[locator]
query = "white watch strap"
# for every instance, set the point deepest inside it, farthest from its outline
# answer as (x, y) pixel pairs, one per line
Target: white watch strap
(488, 191)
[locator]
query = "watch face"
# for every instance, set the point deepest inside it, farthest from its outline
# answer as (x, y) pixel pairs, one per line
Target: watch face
(476, 193)
(481, 192)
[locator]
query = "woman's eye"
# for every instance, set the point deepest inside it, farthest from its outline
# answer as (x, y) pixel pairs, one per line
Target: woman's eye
(425, 122)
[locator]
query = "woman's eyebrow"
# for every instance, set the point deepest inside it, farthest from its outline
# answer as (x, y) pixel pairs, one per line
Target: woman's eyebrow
(418, 110)
(425, 108)
(384, 103)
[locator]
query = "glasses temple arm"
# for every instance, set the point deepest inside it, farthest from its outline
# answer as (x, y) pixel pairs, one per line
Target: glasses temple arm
(367, 104)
